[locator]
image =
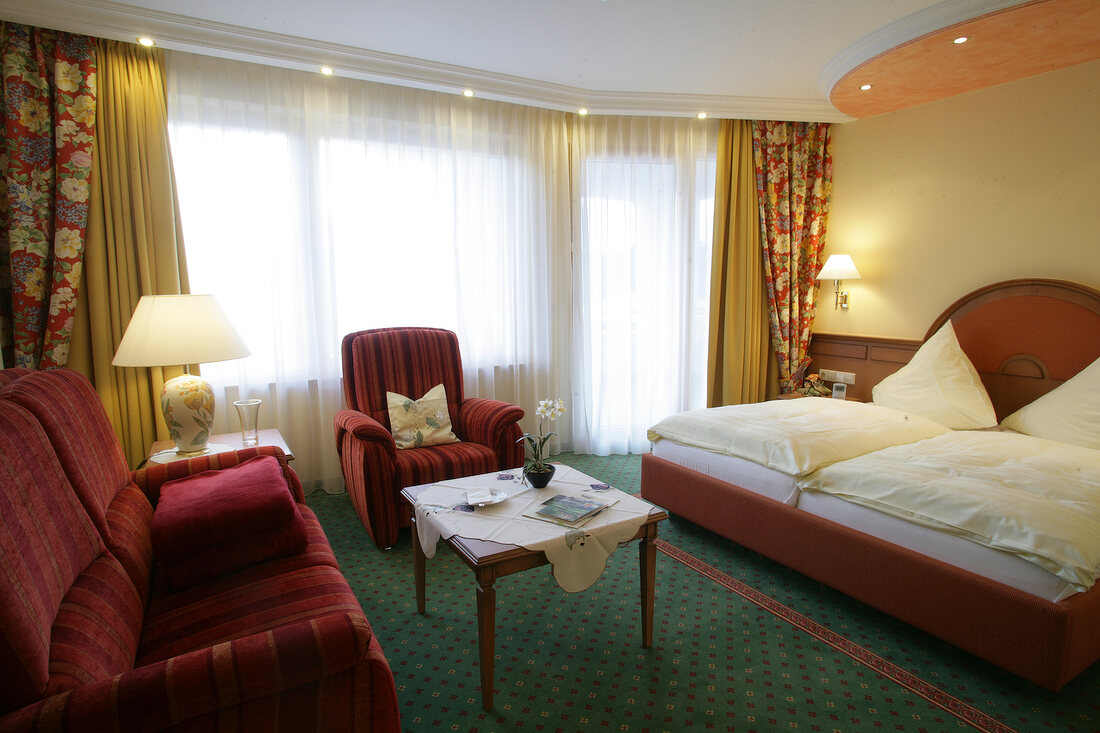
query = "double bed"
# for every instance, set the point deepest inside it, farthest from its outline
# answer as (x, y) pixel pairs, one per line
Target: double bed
(823, 501)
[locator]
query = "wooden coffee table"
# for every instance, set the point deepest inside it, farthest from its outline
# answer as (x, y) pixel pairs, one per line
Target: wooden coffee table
(492, 560)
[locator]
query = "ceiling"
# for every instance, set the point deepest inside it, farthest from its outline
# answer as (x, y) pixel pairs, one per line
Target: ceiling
(760, 59)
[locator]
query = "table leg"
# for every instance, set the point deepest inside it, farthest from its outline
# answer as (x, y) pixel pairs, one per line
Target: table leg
(486, 636)
(647, 565)
(418, 567)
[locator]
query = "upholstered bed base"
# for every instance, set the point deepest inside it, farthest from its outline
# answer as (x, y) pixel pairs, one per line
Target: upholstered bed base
(1044, 642)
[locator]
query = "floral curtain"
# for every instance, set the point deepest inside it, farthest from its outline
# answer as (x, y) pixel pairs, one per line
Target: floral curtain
(794, 172)
(48, 96)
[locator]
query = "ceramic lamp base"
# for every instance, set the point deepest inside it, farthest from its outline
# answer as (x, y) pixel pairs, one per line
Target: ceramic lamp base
(187, 402)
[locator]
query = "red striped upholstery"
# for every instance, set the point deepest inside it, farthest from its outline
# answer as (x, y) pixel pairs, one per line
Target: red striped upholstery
(96, 631)
(177, 623)
(280, 645)
(46, 542)
(410, 361)
(68, 408)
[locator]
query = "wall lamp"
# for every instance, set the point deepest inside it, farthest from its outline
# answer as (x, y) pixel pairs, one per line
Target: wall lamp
(839, 268)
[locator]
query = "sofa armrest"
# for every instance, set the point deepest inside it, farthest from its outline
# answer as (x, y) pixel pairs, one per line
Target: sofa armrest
(227, 677)
(154, 475)
(495, 424)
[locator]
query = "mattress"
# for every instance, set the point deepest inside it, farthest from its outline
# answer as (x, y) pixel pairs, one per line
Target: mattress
(957, 551)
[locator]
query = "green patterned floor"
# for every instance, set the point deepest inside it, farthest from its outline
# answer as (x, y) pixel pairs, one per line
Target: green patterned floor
(573, 662)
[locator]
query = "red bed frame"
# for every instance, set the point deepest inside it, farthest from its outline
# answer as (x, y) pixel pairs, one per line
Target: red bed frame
(1025, 337)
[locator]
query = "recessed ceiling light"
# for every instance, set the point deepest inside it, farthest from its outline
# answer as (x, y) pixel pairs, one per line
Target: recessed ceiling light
(864, 87)
(328, 70)
(146, 41)
(582, 111)
(702, 115)
(468, 93)
(960, 40)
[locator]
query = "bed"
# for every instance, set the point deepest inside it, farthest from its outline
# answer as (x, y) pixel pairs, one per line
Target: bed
(1025, 338)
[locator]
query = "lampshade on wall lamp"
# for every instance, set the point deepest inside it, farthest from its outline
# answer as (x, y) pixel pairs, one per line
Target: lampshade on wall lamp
(839, 268)
(180, 330)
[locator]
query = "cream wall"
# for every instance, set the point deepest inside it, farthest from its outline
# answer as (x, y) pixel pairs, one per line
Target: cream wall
(935, 201)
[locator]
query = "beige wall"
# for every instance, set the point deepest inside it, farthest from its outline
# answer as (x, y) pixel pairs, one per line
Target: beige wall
(935, 201)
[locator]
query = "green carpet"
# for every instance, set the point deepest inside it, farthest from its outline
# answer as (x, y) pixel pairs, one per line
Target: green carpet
(740, 644)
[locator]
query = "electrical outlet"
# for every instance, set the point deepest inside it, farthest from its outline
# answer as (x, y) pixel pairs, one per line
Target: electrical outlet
(830, 375)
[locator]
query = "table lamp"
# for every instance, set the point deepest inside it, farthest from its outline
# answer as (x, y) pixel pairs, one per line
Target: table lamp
(839, 268)
(179, 330)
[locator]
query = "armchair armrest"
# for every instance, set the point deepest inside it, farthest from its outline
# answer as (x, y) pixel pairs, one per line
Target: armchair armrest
(495, 424)
(154, 475)
(368, 457)
(364, 427)
(234, 677)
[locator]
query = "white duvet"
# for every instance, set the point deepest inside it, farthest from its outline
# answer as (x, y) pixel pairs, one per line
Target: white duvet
(1037, 499)
(795, 436)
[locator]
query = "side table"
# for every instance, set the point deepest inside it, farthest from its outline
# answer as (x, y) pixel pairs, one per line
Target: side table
(162, 451)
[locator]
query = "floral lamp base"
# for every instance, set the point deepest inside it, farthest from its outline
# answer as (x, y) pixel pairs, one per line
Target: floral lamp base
(188, 405)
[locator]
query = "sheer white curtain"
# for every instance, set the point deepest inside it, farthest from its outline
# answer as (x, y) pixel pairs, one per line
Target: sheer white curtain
(314, 207)
(643, 213)
(571, 256)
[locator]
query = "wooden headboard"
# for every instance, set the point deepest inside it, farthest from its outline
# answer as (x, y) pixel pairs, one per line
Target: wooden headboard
(1025, 337)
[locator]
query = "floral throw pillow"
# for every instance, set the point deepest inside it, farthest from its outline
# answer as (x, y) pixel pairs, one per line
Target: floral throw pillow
(422, 422)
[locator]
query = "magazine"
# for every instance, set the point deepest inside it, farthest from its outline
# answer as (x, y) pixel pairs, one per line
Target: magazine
(570, 511)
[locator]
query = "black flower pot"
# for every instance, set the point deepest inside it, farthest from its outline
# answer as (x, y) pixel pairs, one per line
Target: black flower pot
(539, 479)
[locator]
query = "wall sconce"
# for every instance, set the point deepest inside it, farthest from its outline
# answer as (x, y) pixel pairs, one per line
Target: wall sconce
(839, 268)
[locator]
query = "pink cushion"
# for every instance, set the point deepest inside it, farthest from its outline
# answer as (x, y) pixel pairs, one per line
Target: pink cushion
(219, 521)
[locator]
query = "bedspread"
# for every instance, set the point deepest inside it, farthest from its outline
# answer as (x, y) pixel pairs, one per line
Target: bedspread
(1037, 499)
(795, 436)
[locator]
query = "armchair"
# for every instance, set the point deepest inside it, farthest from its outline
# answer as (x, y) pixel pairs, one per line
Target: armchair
(410, 361)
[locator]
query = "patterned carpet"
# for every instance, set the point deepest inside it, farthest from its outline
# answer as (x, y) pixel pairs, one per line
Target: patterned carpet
(740, 644)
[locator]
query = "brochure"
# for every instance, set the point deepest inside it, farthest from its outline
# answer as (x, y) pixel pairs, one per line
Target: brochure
(570, 511)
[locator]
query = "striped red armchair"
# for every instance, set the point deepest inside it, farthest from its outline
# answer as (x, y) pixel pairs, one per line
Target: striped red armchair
(410, 362)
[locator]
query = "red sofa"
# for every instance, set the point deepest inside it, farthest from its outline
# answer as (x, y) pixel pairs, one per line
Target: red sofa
(94, 637)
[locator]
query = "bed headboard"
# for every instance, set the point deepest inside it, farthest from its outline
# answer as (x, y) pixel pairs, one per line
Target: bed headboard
(1025, 337)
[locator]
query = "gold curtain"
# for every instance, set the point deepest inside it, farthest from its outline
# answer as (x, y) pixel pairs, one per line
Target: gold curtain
(135, 238)
(740, 364)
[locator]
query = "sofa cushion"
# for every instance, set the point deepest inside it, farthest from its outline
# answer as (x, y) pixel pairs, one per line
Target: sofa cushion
(216, 522)
(229, 608)
(67, 406)
(234, 554)
(46, 541)
(130, 520)
(98, 625)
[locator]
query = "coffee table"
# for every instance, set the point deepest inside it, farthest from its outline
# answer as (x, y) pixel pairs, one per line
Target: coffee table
(492, 560)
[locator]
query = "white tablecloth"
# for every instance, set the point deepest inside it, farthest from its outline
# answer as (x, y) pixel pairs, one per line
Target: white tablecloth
(577, 556)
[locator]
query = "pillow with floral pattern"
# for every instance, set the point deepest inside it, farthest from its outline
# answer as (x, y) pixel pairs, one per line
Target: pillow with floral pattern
(422, 422)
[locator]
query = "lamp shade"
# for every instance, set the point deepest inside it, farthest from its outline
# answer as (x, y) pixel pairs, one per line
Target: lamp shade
(839, 267)
(170, 330)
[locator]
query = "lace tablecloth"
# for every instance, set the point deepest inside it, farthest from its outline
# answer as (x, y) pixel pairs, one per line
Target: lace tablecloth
(578, 556)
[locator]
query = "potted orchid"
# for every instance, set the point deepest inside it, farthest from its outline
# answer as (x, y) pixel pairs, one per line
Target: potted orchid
(536, 468)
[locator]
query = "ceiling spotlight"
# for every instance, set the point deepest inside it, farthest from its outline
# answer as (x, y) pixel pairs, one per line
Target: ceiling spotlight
(468, 93)
(864, 87)
(328, 70)
(702, 115)
(961, 40)
(582, 111)
(146, 41)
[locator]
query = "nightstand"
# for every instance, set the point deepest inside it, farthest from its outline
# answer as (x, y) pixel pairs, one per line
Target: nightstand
(163, 451)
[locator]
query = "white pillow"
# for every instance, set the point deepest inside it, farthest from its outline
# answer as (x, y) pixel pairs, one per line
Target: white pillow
(1068, 414)
(939, 383)
(422, 422)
